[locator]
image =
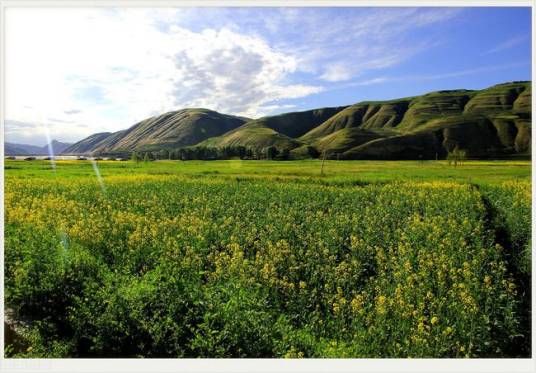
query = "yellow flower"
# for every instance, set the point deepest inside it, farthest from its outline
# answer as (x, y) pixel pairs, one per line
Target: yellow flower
(421, 326)
(381, 299)
(447, 331)
(357, 303)
(336, 307)
(434, 320)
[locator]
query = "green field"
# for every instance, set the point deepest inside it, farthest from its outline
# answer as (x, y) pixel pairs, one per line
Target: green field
(268, 259)
(478, 172)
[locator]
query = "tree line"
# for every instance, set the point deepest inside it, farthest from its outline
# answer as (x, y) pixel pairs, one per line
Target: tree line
(211, 153)
(454, 157)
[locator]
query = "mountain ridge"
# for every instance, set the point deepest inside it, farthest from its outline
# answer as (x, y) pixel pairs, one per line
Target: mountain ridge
(178, 128)
(491, 122)
(13, 149)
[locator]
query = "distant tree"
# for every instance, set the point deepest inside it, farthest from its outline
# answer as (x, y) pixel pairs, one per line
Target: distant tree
(146, 158)
(284, 154)
(451, 158)
(271, 152)
(199, 152)
(462, 155)
(135, 157)
(164, 154)
(241, 151)
(260, 153)
(456, 155)
(189, 154)
(224, 152)
(213, 153)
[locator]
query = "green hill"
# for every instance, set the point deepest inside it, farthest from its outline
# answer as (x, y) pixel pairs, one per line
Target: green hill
(366, 115)
(298, 123)
(433, 105)
(496, 99)
(492, 122)
(479, 136)
(174, 129)
(254, 135)
(280, 130)
(345, 139)
(88, 144)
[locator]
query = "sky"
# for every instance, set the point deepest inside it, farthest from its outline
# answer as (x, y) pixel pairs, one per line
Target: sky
(73, 72)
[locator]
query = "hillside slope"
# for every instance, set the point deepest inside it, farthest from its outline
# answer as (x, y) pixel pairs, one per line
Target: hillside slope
(174, 129)
(298, 123)
(88, 144)
(280, 130)
(492, 122)
(366, 115)
(253, 135)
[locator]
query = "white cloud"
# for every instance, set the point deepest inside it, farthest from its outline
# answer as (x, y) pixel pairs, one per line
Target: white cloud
(36, 133)
(353, 44)
(437, 76)
(455, 74)
(336, 72)
(87, 70)
(237, 74)
(104, 70)
(278, 108)
(507, 44)
(371, 81)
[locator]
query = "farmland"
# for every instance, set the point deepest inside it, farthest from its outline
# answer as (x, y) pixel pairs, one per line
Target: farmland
(268, 259)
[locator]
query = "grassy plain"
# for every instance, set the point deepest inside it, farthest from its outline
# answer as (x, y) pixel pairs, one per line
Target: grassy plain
(478, 172)
(268, 259)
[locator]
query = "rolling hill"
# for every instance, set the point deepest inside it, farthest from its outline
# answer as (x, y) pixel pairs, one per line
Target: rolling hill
(280, 131)
(174, 129)
(365, 115)
(254, 135)
(492, 122)
(88, 144)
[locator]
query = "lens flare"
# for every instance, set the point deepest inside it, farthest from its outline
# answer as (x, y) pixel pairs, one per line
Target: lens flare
(97, 173)
(49, 145)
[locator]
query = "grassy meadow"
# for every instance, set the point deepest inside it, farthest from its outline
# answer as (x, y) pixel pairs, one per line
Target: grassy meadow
(268, 258)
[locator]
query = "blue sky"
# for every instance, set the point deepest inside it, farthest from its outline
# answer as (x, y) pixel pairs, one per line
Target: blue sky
(74, 72)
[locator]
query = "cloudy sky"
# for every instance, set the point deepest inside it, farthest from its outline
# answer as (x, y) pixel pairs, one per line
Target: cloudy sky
(74, 72)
